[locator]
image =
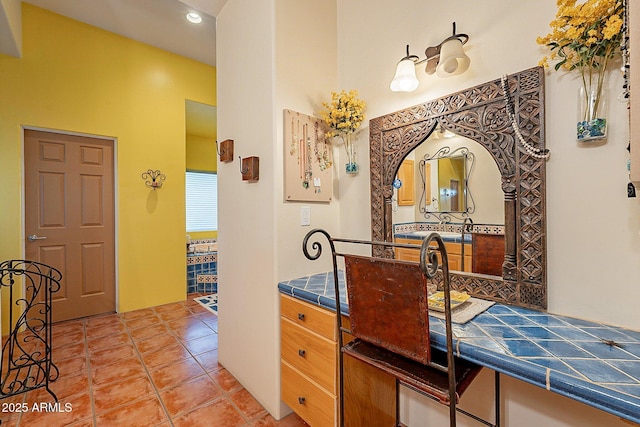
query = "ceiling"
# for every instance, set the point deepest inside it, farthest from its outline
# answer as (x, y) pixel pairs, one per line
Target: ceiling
(159, 23)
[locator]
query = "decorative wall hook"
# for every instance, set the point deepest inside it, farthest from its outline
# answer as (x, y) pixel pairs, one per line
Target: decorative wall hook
(250, 168)
(242, 170)
(153, 179)
(225, 150)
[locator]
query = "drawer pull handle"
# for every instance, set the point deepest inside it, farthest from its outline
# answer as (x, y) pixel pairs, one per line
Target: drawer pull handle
(302, 353)
(300, 316)
(301, 400)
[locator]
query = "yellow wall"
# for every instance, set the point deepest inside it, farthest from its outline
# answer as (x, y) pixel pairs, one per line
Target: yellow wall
(78, 78)
(451, 169)
(202, 156)
(202, 235)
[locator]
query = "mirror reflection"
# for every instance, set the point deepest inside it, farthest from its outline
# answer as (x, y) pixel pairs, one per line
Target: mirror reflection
(455, 189)
(443, 180)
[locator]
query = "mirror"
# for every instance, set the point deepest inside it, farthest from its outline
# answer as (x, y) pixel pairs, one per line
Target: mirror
(478, 114)
(473, 171)
(444, 184)
(453, 170)
(443, 178)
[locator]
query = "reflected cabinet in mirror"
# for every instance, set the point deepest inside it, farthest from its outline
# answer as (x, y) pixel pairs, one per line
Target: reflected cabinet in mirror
(473, 182)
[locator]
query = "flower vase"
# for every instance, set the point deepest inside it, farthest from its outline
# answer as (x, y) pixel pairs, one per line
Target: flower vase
(352, 165)
(592, 110)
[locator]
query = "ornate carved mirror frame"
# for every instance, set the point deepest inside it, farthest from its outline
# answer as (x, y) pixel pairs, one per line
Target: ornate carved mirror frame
(479, 113)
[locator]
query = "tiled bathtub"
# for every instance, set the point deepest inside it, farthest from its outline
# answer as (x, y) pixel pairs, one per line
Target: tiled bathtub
(202, 272)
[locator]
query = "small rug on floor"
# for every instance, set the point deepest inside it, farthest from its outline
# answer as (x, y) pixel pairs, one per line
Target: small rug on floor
(210, 302)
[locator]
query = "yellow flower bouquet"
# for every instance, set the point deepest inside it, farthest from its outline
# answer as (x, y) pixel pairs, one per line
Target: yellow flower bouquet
(585, 37)
(343, 115)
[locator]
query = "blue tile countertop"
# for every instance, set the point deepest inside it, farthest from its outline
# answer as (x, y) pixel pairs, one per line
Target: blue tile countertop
(562, 354)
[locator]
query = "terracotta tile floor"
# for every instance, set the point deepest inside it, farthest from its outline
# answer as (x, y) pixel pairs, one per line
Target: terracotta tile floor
(152, 367)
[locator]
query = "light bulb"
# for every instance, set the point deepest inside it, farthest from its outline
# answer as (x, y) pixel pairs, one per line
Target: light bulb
(194, 17)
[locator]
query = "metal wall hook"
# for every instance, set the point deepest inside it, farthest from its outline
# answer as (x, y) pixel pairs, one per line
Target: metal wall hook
(245, 170)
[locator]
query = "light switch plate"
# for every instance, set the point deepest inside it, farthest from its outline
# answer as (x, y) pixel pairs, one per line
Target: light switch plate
(305, 215)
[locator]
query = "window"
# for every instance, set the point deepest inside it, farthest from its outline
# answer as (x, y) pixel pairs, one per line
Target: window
(202, 201)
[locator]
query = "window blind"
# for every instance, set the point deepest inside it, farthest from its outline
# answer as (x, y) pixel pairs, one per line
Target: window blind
(202, 201)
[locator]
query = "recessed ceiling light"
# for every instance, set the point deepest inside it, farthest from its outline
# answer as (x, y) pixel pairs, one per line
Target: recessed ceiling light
(194, 17)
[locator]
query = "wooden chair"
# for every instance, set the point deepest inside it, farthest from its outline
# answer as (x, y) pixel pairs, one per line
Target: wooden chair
(389, 317)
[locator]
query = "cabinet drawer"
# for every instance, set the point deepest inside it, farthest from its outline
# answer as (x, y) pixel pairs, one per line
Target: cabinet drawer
(304, 314)
(311, 354)
(456, 248)
(313, 404)
(405, 254)
(454, 253)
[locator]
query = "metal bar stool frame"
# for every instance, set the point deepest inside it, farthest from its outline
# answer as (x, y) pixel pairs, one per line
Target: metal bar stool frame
(27, 349)
(428, 267)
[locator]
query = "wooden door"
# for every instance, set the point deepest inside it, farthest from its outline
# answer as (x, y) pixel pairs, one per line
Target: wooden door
(454, 186)
(69, 218)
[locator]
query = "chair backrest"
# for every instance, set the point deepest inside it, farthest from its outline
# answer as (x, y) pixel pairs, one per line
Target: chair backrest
(388, 305)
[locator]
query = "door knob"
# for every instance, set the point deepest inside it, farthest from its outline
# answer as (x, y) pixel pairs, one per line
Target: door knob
(34, 237)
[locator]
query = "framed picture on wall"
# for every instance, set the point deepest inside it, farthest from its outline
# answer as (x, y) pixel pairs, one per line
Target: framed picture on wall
(308, 159)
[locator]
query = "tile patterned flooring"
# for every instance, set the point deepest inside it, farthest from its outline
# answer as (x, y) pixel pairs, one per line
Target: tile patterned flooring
(151, 367)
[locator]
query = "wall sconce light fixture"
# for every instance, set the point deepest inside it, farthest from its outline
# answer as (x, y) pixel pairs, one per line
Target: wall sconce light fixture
(446, 59)
(153, 179)
(250, 168)
(225, 151)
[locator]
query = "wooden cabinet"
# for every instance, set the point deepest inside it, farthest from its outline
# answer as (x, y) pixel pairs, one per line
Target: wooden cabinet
(309, 352)
(454, 251)
(491, 249)
(309, 375)
(406, 193)
(406, 254)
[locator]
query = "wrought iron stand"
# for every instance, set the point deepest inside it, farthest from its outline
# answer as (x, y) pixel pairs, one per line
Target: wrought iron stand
(26, 351)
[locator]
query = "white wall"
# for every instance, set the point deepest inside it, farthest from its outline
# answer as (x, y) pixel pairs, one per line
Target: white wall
(523, 405)
(267, 61)
(306, 73)
(11, 27)
(248, 318)
(272, 55)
